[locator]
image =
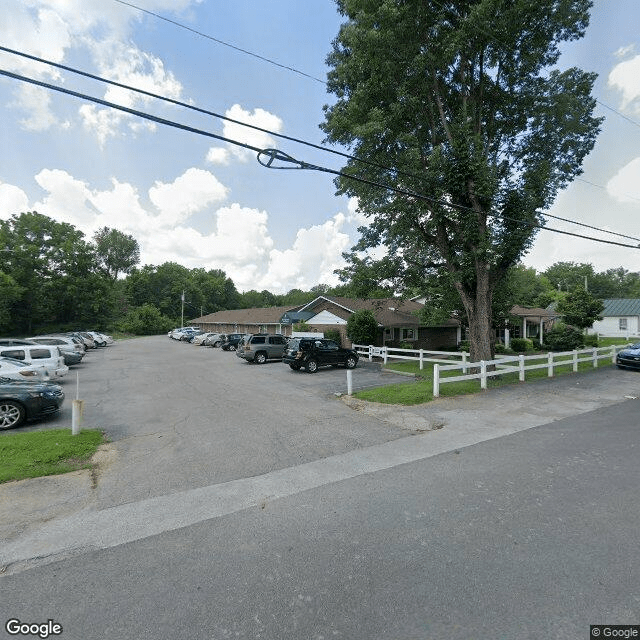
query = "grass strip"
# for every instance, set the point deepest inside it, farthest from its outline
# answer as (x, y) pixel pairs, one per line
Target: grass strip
(421, 390)
(46, 453)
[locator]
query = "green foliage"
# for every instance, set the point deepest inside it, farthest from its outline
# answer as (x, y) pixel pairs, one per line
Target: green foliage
(333, 334)
(146, 321)
(464, 345)
(301, 327)
(362, 327)
(116, 252)
(580, 309)
(521, 345)
(591, 340)
(481, 123)
(500, 348)
(563, 337)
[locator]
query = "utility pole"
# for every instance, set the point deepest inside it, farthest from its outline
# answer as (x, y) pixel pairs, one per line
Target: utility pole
(182, 314)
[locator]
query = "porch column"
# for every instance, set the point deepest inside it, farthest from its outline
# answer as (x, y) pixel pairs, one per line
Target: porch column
(524, 328)
(541, 336)
(507, 337)
(458, 334)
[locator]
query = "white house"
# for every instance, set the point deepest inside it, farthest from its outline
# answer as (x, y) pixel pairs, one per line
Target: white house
(620, 318)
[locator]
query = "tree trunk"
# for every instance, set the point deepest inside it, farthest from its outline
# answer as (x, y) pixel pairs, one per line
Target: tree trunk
(478, 308)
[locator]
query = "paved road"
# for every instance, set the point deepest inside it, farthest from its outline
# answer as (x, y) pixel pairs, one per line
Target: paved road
(529, 535)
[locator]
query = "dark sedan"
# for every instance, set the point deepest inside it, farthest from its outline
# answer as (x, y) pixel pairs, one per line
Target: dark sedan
(312, 353)
(629, 357)
(20, 401)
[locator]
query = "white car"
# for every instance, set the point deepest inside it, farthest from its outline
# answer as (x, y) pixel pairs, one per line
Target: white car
(64, 343)
(100, 339)
(40, 355)
(17, 370)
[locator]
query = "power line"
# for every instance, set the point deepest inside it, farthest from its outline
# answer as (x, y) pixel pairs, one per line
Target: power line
(274, 154)
(273, 133)
(222, 42)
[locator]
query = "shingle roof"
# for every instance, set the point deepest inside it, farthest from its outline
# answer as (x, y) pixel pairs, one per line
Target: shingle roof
(259, 315)
(533, 313)
(621, 307)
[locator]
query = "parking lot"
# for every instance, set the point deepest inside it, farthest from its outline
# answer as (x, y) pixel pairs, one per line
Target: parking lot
(181, 416)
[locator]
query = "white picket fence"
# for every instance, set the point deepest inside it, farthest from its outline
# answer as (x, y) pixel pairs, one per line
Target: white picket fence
(512, 364)
(422, 355)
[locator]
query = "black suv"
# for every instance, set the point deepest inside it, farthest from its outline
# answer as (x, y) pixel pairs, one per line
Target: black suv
(231, 341)
(312, 353)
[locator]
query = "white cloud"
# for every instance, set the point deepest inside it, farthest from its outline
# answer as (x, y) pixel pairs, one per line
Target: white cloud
(192, 191)
(354, 215)
(12, 200)
(218, 155)
(259, 139)
(625, 77)
(623, 52)
(625, 185)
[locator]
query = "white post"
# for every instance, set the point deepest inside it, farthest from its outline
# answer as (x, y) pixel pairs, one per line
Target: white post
(595, 358)
(421, 359)
(384, 354)
(483, 374)
(507, 337)
(541, 331)
(370, 353)
(349, 382)
(521, 367)
(575, 360)
(613, 354)
(436, 380)
(464, 362)
(550, 364)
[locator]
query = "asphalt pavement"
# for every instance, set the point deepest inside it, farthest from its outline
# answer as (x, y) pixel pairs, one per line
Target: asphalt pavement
(197, 434)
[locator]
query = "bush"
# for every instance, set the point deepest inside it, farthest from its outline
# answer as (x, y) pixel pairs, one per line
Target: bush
(146, 321)
(500, 348)
(333, 334)
(537, 345)
(564, 338)
(464, 345)
(520, 345)
(362, 327)
(591, 340)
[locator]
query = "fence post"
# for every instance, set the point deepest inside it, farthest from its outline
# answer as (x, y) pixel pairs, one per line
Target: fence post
(370, 353)
(613, 354)
(595, 357)
(384, 353)
(483, 374)
(349, 382)
(521, 367)
(575, 360)
(436, 380)
(464, 362)
(550, 364)
(421, 359)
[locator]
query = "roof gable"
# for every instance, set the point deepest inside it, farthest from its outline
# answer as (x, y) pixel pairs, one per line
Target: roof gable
(621, 307)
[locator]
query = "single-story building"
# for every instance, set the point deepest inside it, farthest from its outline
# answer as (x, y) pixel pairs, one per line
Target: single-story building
(620, 318)
(527, 322)
(398, 321)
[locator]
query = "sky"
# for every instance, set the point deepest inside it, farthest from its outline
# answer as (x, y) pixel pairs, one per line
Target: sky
(203, 203)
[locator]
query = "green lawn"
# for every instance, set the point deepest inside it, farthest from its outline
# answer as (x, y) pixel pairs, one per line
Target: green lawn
(46, 453)
(422, 389)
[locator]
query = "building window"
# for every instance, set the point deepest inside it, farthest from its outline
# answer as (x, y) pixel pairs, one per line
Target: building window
(407, 334)
(388, 334)
(622, 324)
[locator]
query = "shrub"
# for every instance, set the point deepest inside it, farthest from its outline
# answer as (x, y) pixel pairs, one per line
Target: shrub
(537, 345)
(464, 345)
(362, 327)
(500, 348)
(146, 320)
(520, 345)
(564, 338)
(333, 334)
(591, 340)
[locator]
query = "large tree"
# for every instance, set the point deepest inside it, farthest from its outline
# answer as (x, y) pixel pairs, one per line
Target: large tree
(117, 252)
(459, 104)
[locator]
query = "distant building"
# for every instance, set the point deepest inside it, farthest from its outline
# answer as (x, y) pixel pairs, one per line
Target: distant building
(620, 318)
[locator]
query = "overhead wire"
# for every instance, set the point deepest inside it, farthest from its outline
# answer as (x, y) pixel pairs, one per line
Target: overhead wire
(274, 154)
(276, 134)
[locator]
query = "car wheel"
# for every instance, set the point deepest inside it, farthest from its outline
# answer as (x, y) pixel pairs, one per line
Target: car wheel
(261, 357)
(11, 414)
(311, 366)
(295, 367)
(232, 347)
(216, 344)
(351, 363)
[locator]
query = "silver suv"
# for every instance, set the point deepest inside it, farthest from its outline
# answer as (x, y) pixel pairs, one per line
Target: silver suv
(260, 347)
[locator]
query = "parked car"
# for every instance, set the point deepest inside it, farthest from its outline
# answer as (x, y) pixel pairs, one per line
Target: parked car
(47, 356)
(214, 339)
(100, 339)
(260, 347)
(231, 341)
(629, 357)
(64, 343)
(310, 353)
(200, 339)
(184, 332)
(188, 336)
(8, 342)
(18, 370)
(20, 401)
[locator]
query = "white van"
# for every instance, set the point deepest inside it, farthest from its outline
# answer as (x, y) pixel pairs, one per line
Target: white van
(38, 354)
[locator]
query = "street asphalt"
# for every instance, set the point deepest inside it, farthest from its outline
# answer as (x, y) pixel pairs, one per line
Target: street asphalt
(198, 433)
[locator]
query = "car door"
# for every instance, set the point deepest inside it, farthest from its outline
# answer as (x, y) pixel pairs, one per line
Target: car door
(276, 346)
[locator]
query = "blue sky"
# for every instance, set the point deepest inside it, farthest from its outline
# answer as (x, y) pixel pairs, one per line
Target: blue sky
(201, 203)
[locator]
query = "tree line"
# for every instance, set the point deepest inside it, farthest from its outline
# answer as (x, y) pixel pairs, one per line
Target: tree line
(52, 278)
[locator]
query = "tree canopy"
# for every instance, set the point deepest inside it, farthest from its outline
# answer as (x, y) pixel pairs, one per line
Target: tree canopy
(461, 106)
